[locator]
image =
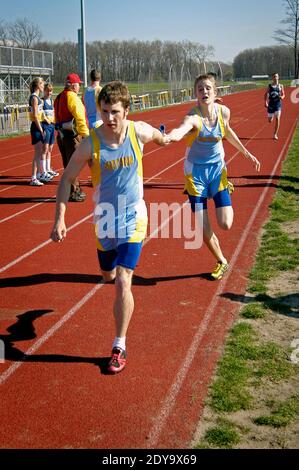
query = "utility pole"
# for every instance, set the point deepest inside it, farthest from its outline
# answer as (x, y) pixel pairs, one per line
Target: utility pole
(83, 44)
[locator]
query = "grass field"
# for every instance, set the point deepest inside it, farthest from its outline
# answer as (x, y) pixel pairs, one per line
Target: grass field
(255, 391)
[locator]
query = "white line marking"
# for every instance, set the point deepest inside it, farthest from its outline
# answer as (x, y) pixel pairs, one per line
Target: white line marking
(38, 247)
(8, 188)
(16, 365)
(174, 390)
(27, 209)
(11, 369)
(42, 245)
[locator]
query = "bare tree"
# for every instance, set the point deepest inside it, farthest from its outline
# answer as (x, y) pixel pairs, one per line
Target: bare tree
(264, 61)
(3, 32)
(24, 32)
(290, 35)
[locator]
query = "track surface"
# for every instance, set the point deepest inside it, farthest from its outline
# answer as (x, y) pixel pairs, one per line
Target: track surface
(56, 318)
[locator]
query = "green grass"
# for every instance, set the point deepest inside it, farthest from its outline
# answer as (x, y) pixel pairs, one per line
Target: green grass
(134, 87)
(254, 310)
(282, 415)
(278, 251)
(248, 361)
(224, 435)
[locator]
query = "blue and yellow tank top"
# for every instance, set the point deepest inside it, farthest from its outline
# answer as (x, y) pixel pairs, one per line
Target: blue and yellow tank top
(205, 146)
(48, 109)
(39, 107)
(117, 178)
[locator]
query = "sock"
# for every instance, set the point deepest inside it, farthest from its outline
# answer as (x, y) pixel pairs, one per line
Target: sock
(43, 166)
(119, 343)
(48, 164)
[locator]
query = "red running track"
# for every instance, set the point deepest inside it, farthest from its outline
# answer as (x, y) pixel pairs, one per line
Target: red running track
(56, 318)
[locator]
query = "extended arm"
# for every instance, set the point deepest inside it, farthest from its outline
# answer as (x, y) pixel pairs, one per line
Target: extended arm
(235, 141)
(147, 133)
(189, 123)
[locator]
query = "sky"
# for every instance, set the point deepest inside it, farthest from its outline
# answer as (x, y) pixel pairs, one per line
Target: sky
(230, 26)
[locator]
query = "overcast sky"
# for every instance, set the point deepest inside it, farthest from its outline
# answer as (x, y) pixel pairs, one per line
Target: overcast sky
(230, 26)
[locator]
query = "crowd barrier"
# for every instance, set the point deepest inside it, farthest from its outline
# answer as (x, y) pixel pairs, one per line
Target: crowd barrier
(14, 119)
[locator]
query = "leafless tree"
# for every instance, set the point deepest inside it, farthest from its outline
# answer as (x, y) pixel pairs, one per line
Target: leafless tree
(264, 61)
(24, 32)
(290, 34)
(3, 32)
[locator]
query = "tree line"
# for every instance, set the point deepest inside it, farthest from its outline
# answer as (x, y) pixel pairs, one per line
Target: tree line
(142, 61)
(264, 61)
(137, 61)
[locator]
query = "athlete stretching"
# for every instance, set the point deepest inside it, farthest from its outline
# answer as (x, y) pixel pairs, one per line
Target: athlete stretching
(205, 169)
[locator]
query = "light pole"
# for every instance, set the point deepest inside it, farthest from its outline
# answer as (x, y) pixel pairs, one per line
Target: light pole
(83, 44)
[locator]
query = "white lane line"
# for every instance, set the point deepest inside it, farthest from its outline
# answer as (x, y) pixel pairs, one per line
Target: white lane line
(16, 365)
(27, 209)
(170, 399)
(24, 164)
(11, 369)
(8, 188)
(42, 245)
(175, 388)
(39, 247)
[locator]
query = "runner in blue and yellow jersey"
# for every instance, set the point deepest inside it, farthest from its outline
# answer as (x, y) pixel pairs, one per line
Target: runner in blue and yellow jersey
(205, 169)
(114, 153)
(48, 126)
(36, 130)
(273, 98)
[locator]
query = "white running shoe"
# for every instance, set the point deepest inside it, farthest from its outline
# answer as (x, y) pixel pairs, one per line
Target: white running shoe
(45, 177)
(36, 182)
(53, 173)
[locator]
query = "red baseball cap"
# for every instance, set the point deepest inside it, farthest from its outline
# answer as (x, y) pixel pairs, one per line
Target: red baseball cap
(73, 78)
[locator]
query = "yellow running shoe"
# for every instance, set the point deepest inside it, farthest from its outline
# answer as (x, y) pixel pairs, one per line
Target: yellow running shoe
(219, 270)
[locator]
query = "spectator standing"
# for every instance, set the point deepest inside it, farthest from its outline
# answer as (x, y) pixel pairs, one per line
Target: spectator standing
(71, 123)
(90, 100)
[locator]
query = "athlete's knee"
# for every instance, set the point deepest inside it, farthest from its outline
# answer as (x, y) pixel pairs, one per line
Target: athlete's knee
(108, 276)
(225, 217)
(123, 279)
(225, 224)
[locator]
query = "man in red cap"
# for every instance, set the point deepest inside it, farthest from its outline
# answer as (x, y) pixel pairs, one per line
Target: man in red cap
(70, 121)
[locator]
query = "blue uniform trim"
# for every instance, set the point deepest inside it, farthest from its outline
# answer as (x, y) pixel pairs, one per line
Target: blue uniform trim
(50, 133)
(222, 199)
(36, 135)
(126, 255)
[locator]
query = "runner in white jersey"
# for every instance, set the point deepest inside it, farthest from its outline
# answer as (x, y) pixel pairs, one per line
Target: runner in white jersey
(205, 169)
(114, 153)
